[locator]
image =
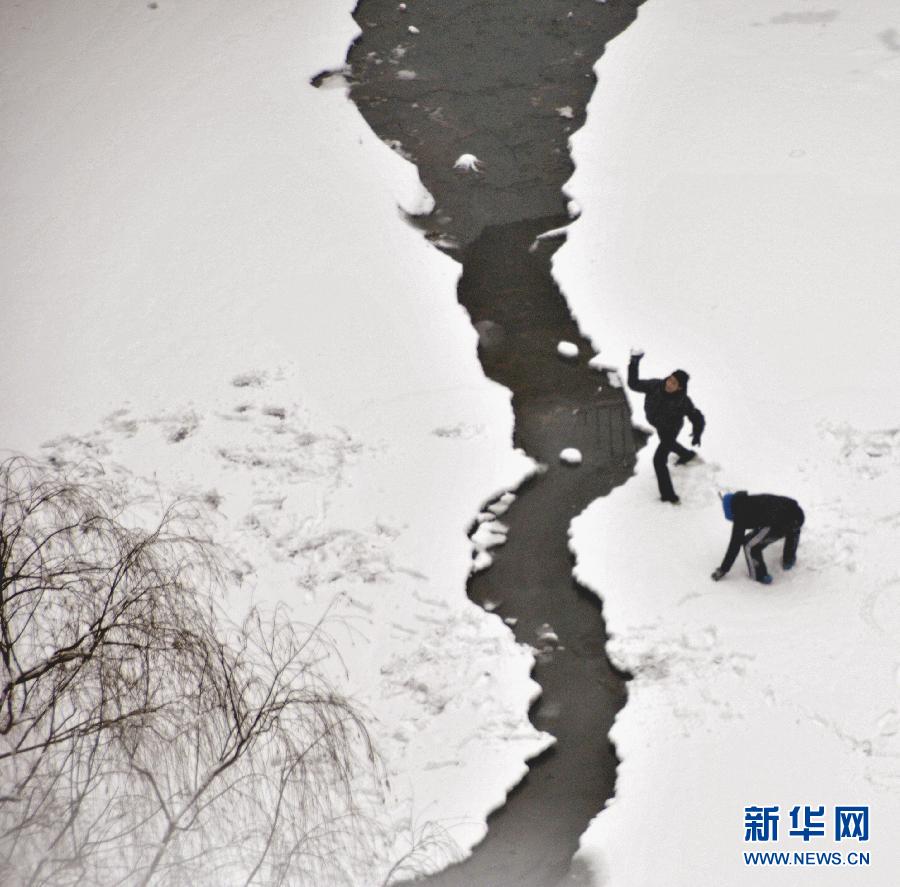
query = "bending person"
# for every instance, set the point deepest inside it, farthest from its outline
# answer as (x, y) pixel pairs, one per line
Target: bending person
(666, 405)
(759, 521)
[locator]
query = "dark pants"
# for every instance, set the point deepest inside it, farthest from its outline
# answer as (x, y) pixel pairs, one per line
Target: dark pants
(757, 539)
(666, 446)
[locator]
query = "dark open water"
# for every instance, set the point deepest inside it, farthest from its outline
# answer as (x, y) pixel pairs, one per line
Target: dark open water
(508, 81)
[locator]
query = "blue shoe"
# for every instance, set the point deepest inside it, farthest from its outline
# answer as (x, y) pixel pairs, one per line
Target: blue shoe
(789, 565)
(766, 580)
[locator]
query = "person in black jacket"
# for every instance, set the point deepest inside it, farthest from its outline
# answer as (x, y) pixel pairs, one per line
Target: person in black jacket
(759, 521)
(666, 405)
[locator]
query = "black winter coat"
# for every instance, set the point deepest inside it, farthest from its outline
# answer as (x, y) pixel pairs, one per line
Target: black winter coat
(751, 513)
(665, 412)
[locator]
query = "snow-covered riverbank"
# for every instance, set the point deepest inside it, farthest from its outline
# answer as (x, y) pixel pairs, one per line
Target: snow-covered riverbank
(740, 191)
(208, 288)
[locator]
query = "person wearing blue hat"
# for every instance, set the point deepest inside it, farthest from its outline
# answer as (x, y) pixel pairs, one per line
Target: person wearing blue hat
(666, 406)
(757, 522)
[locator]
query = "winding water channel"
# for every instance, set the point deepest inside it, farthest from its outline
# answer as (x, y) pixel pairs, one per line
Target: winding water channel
(508, 81)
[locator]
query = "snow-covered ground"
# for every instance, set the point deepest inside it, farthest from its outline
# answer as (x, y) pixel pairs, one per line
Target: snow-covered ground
(741, 210)
(208, 289)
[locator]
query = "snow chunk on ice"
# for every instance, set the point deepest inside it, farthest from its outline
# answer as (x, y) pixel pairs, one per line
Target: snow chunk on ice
(567, 349)
(570, 456)
(489, 535)
(405, 74)
(502, 504)
(413, 29)
(468, 163)
(566, 111)
(415, 200)
(481, 561)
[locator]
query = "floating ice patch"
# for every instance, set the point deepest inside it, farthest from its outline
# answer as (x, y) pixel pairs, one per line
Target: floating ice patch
(566, 111)
(413, 29)
(573, 208)
(567, 349)
(406, 74)
(546, 635)
(468, 163)
(570, 456)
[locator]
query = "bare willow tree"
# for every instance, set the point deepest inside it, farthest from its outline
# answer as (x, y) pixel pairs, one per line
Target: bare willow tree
(143, 739)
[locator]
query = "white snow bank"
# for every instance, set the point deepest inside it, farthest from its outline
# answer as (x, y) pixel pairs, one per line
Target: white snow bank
(741, 209)
(207, 252)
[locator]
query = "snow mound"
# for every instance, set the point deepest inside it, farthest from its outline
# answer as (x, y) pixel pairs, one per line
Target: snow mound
(570, 456)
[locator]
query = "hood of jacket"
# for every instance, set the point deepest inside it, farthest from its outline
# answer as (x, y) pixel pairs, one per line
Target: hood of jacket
(728, 501)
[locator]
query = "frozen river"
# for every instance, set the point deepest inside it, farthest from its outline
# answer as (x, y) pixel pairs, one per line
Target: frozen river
(508, 84)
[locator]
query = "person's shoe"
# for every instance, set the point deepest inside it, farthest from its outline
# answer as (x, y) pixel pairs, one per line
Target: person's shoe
(673, 499)
(683, 460)
(789, 565)
(766, 579)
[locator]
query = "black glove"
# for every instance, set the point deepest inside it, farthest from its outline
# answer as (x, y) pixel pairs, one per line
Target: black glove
(695, 439)
(717, 574)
